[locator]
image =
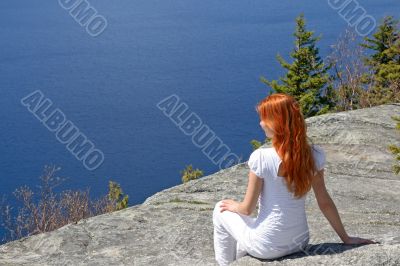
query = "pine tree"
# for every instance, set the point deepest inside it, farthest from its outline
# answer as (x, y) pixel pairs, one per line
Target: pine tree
(384, 63)
(307, 76)
(386, 35)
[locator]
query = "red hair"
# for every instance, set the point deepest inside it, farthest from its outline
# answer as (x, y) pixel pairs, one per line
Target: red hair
(282, 113)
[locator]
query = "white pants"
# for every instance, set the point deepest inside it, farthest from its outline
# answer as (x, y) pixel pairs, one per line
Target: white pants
(232, 238)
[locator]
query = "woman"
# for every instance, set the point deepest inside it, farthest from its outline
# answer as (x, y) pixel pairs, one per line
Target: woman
(279, 179)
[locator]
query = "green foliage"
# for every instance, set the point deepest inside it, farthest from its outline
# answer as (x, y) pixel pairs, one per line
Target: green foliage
(116, 195)
(385, 36)
(307, 76)
(257, 144)
(384, 62)
(190, 174)
(396, 149)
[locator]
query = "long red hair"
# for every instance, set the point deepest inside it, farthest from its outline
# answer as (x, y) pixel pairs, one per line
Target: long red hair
(282, 113)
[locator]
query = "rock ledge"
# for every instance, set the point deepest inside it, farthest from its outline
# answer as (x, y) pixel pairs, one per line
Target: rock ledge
(174, 226)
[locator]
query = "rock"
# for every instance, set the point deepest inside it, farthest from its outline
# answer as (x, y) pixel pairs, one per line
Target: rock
(174, 226)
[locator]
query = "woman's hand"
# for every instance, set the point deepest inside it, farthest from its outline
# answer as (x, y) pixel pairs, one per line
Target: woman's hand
(229, 205)
(359, 240)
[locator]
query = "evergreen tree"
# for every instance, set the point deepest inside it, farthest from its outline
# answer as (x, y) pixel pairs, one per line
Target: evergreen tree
(307, 76)
(386, 36)
(384, 63)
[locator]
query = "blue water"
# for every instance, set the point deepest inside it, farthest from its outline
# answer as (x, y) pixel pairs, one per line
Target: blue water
(209, 53)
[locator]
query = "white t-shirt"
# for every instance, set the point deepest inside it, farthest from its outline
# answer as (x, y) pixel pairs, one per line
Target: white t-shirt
(281, 223)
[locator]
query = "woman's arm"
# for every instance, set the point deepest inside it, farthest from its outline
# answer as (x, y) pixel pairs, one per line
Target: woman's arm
(328, 208)
(247, 206)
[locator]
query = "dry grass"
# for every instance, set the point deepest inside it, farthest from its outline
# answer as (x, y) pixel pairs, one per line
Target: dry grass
(46, 211)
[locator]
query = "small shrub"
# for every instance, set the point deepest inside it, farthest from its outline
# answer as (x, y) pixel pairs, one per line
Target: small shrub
(257, 144)
(190, 174)
(116, 195)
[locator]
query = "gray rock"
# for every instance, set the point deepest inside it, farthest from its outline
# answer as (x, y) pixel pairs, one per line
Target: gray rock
(174, 226)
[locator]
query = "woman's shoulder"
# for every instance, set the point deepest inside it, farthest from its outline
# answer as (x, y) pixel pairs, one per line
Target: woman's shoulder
(270, 151)
(267, 155)
(261, 160)
(263, 152)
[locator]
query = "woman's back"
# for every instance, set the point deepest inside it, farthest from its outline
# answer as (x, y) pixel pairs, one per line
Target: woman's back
(281, 222)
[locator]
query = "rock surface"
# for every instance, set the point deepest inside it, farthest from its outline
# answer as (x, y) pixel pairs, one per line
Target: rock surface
(174, 226)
